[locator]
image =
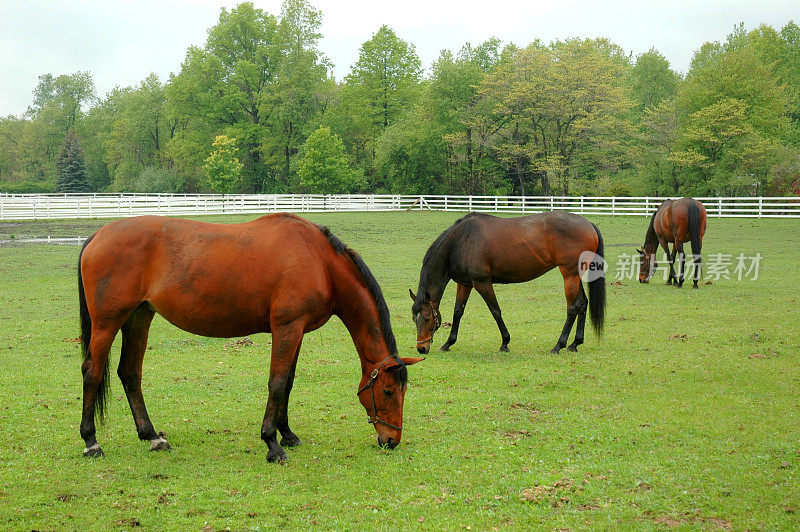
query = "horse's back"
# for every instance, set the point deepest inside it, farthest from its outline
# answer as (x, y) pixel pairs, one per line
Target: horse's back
(511, 250)
(672, 222)
(210, 279)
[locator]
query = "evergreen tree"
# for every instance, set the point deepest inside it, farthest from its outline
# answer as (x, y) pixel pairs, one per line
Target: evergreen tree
(71, 166)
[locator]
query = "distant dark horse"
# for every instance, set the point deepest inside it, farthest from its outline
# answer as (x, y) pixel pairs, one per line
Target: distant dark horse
(278, 274)
(480, 250)
(675, 222)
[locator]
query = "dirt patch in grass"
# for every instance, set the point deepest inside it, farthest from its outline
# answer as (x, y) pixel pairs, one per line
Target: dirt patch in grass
(690, 518)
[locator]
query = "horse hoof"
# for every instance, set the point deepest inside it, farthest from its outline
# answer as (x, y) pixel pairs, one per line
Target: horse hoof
(159, 444)
(573, 348)
(93, 452)
(445, 348)
(504, 349)
(555, 350)
(679, 285)
(278, 456)
(290, 441)
(695, 286)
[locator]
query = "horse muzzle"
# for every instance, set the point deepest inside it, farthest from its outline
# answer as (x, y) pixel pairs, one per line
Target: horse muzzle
(388, 443)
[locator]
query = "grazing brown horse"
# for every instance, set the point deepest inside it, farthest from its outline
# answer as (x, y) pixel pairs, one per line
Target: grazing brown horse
(278, 274)
(480, 250)
(674, 222)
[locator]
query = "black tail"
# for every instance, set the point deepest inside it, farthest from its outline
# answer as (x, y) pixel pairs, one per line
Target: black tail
(694, 234)
(597, 292)
(86, 338)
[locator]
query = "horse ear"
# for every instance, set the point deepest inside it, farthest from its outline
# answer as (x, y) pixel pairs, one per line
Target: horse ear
(639, 251)
(413, 297)
(412, 360)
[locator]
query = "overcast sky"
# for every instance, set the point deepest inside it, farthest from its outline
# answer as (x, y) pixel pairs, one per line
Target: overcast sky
(121, 42)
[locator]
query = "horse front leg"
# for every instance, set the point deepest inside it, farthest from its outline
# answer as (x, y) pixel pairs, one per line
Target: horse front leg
(486, 291)
(134, 344)
(572, 288)
(665, 247)
(285, 346)
(289, 438)
(462, 295)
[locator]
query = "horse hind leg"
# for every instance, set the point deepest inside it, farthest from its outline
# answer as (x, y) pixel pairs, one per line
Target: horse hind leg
(572, 287)
(135, 331)
(462, 295)
(682, 257)
(582, 304)
(95, 381)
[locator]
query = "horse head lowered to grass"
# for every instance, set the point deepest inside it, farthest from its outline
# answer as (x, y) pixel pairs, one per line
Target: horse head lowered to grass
(278, 274)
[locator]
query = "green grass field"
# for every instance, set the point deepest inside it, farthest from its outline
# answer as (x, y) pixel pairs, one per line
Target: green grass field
(686, 414)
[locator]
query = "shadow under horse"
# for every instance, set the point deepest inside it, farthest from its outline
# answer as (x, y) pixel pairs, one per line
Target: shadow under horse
(674, 222)
(278, 274)
(480, 250)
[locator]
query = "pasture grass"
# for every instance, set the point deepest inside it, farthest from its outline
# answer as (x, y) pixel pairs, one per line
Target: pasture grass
(685, 414)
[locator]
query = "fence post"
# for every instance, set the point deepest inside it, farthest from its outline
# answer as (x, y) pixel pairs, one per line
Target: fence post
(719, 206)
(495, 204)
(581, 204)
(613, 205)
(760, 205)
(646, 205)
(470, 203)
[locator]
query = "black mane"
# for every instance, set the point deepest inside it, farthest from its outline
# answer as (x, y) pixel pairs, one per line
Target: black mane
(651, 238)
(433, 251)
(374, 288)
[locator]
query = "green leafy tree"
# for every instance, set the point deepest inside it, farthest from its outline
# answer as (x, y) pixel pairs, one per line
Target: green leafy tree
(736, 116)
(71, 166)
(470, 127)
(387, 75)
(138, 132)
(652, 81)
(324, 167)
(222, 167)
(301, 89)
(568, 103)
(219, 90)
(656, 143)
(380, 89)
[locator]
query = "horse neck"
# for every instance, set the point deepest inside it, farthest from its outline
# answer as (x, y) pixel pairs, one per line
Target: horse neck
(651, 238)
(357, 309)
(651, 241)
(434, 276)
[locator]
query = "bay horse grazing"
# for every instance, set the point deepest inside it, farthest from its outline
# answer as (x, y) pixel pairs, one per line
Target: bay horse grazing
(480, 250)
(278, 274)
(674, 222)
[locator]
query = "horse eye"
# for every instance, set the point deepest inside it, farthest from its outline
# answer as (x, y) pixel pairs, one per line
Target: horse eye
(387, 393)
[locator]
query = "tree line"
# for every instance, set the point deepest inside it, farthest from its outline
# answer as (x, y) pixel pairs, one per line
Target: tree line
(256, 109)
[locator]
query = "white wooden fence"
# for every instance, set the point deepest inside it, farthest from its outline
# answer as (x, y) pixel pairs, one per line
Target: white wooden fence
(49, 206)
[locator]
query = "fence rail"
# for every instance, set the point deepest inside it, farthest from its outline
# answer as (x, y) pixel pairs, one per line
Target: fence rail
(50, 206)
